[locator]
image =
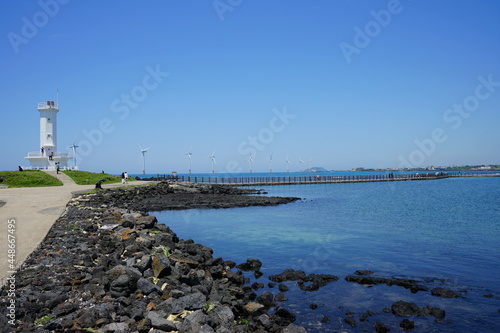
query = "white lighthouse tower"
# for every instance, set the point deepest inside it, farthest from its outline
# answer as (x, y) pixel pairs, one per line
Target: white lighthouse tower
(48, 157)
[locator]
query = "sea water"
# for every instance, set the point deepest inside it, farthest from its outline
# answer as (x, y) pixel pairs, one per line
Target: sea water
(443, 232)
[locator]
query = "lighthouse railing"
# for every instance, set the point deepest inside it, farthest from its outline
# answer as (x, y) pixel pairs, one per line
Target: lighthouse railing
(56, 154)
(48, 105)
(35, 154)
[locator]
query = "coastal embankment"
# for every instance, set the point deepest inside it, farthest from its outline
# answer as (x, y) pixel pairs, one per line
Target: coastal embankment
(106, 265)
(28, 213)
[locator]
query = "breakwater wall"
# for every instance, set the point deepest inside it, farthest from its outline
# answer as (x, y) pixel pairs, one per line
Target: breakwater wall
(317, 179)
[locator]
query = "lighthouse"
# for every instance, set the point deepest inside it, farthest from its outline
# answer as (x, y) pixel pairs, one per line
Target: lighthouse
(48, 157)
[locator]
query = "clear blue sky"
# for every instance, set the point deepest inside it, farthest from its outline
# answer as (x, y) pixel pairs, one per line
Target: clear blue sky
(344, 83)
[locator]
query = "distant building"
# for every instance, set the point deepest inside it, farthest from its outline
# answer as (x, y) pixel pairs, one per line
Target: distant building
(47, 157)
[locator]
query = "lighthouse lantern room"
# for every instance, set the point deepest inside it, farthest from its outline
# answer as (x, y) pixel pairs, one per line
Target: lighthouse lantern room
(48, 157)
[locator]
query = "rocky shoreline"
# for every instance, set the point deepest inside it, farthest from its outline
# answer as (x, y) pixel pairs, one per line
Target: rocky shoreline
(107, 266)
(187, 196)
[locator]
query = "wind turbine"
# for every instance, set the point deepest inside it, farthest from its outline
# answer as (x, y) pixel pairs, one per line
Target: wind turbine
(189, 154)
(250, 159)
(143, 151)
(213, 161)
(310, 164)
(271, 163)
(300, 162)
(74, 146)
(287, 161)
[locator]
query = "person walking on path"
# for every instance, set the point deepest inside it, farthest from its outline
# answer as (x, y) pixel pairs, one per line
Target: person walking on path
(123, 177)
(126, 177)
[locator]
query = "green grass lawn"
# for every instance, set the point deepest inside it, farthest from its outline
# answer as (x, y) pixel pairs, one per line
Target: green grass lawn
(28, 178)
(85, 177)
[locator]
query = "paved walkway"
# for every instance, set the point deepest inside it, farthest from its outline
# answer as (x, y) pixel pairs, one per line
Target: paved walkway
(34, 210)
(62, 177)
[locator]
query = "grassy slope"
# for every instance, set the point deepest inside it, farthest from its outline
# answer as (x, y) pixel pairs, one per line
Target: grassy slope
(28, 178)
(85, 177)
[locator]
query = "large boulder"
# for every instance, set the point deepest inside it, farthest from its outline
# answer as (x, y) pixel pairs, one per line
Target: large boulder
(266, 299)
(444, 292)
(318, 281)
(144, 263)
(161, 266)
(196, 322)
(405, 309)
(222, 316)
(288, 275)
(292, 328)
(158, 320)
(122, 286)
(193, 301)
(250, 265)
(147, 287)
(146, 222)
(123, 280)
(409, 309)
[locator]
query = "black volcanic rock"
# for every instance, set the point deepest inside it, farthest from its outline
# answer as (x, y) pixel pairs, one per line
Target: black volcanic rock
(444, 292)
(317, 281)
(311, 282)
(380, 327)
(413, 285)
(183, 196)
(106, 265)
(288, 275)
(250, 265)
(409, 309)
(407, 324)
(363, 272)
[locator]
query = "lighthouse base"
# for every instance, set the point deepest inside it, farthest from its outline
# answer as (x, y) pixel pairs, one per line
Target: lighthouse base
(40, 161)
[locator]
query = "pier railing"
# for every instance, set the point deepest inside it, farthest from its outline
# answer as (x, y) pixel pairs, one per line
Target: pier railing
(314, 179)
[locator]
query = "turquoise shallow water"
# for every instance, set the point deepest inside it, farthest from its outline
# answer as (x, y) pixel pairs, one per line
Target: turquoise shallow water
(445, 232)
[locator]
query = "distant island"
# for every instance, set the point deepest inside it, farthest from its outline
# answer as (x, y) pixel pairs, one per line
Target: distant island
(316, 169)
